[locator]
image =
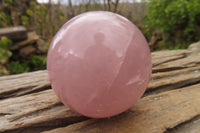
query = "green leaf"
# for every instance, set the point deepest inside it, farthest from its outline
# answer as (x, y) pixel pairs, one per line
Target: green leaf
(29, 12)
(33, 4)
(25, 20)
(5, 42)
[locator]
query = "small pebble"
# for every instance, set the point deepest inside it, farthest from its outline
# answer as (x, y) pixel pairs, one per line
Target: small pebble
(196, 71)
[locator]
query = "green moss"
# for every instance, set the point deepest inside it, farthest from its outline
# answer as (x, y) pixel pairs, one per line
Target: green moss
(37, 62)
(10, 2)
(5, 20)
(17, 67)
(5, 42)
(29, 12)
(25, 20)
(5, 53)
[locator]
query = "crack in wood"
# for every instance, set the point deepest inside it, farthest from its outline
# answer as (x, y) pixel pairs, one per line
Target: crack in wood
(48, 125)
(184, 55)
(167, 69)
(185, 127)
(35, 111)
(153, 114)
(170, 74)
(36, 89)
(2, 114)
(11, 93)
(171, 87)
(24, 91)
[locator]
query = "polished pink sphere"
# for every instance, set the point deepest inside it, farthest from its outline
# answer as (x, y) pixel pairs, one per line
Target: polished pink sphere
(99, 64)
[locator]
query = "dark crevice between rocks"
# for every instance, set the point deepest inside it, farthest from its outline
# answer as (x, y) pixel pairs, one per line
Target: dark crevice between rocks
(185, 126)
(169, 87)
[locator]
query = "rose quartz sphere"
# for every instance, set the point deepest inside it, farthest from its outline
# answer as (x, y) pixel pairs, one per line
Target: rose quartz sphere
(99, 64)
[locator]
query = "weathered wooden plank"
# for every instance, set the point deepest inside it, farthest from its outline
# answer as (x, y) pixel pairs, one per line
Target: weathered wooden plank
(33, 110)
(27, 104)
(17, 85)
(38, 110)
(191, 126)
(194, 48)
(17, 33)
(172, 80)
(23, 75)
(160, 75)
(21, 84)
(32, 38)
(160, 57)
(155, 114)
(190, 60)
(38, 75)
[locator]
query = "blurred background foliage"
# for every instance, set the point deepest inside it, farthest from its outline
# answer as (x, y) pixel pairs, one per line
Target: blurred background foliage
(166, 24)
(177, 20)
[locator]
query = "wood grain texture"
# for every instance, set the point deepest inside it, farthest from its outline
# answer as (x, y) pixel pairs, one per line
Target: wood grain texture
(153, 114)
(191, 59)
(16, 33)
(21, 84)
(32, 38)
(37, 110)
(169, 105)
(160, 57)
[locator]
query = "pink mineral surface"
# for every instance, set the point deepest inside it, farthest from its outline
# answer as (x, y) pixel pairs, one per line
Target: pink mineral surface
(99, 64)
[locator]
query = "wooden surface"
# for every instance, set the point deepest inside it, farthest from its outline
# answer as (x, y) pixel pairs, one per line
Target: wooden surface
(171, 103)
(16, 33)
